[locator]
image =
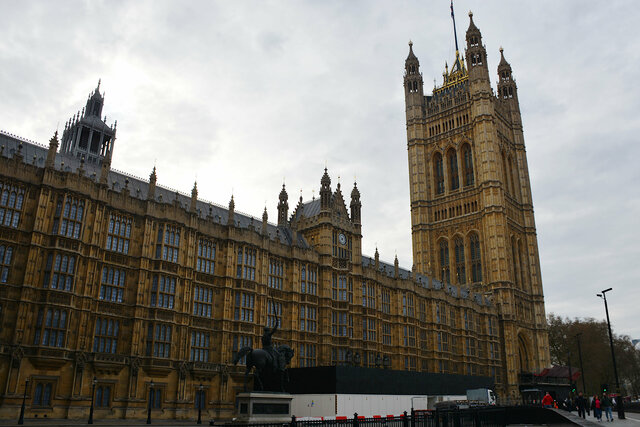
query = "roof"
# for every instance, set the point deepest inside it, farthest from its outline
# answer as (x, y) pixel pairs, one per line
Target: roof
(34, 153)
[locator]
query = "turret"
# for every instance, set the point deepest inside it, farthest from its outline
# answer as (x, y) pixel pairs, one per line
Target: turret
(413, 84)
(265, 217)
(105, 167)
(283, 207)
(53, 149)
(232, 207)
(325, 191)
(355, 205)
(194, 197)
(507, 88)
(151, 194)
(476, 54)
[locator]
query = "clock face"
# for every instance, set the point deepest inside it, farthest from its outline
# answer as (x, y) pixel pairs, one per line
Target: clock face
(342, 239)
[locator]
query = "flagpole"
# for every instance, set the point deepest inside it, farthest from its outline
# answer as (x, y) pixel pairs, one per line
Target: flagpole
(455, 33)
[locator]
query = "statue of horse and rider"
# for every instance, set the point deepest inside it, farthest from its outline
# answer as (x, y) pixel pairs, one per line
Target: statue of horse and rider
(269, 363)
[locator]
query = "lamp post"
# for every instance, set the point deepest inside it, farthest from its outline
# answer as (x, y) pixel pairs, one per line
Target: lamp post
(584, 387)
(24, 398)
(603, 295)
(93, 393)
(149, 405)
(200, 405)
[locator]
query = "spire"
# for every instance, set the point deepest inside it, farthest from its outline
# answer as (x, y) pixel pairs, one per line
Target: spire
(507, 88)
(53, 149)
(325, 191)
(194, 196)
(376, 257)
(413, 80)
(105, 167)
(476, 56)
(232, 206)
(396, 267)
(265, 217)
(283, 207)
(151, 194)
(355, 204)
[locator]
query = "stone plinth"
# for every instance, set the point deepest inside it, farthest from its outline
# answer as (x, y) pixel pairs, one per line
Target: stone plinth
(263, 407)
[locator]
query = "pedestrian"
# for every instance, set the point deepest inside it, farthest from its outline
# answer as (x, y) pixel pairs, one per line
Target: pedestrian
(606, 405)
(547, 401)
(595, 405)
(581, 403)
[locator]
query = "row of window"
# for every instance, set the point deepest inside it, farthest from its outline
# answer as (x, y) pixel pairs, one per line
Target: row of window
(475, 262)
(11, 201)
(452, 170)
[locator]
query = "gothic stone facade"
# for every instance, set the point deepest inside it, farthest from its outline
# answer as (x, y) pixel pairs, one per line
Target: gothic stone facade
(471, 208)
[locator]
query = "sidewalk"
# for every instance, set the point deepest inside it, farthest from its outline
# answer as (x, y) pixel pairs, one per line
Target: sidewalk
(50, 422)
(632, 419)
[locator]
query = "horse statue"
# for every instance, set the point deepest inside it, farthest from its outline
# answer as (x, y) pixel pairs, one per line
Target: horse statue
(270, 372)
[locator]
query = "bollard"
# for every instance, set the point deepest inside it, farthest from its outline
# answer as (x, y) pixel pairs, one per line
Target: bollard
(355, 420)
(405, 420)
(293, 421)
(413, 418)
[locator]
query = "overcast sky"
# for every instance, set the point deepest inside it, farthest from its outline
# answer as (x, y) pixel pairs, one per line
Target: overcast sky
(243, 94)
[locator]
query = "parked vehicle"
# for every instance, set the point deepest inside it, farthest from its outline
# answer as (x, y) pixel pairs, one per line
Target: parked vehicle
(482, 395)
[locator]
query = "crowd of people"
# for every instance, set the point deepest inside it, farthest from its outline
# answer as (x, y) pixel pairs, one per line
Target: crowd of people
(584, 405)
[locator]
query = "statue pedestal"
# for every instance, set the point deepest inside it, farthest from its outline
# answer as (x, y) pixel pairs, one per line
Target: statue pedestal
(263, 407)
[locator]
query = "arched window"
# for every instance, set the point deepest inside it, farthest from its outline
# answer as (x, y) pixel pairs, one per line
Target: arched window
(444, 260)
(438, 173)
(515, 254)
(476, 259)
(468, 165)
(505, 175)
(453, 170)
(513, 176)
(459, 254)
(510, 171)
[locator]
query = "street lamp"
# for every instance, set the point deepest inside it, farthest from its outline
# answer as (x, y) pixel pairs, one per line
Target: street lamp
(584, 388)
(24, 398)
(149, 405)
(569, 363)
(200, 405)
(603, 295)
(93, 393)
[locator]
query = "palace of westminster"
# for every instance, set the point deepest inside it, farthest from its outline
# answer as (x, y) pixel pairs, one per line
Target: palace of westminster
(113, 286)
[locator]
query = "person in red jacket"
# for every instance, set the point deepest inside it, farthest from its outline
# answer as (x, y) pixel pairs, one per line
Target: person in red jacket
(547, 401)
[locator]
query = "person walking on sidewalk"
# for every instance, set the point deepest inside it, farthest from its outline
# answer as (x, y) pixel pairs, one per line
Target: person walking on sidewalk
(606, 406)
(597, 410)
(581, 403)
(547, 401)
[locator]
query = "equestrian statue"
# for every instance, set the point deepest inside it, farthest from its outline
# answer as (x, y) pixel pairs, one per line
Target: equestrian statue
(269, 363)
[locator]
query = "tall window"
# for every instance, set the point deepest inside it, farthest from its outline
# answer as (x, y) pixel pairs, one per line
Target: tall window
(240, 341)
(11, 200)
(276, 273)
(119, 234)
(67, 220)
(386, 302)
(199, 346)
(409, 335)
(307, 355)
(103, 396)
(444, 261)
(443, 341)
(438, 173)
(342, 288)
(386, 333)
(468, 165)
(459, 254)
(202, 301)
(441, 313)
(368, 295)
(6, 253)
(246, 264)
(163, 291)
(244, 306)
(504, 173)
(274, 314)
(159, 340)
(308, 280)
(155, 398)
(476, 264)
(407, 305)
(470, 346)
(454, 181)
(308, 318)
(59, 272)
(51, 326)
(468, 320)
(342, 324)
(112, 286)
(423, 310)
(105, 339)
(206, 256)
(168, 243)
(42, 394)
(369, 332)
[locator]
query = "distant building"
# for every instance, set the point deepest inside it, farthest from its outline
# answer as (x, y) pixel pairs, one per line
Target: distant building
(111, 278)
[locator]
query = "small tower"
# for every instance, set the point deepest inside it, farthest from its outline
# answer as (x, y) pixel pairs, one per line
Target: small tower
(507, 89)
(53, 149)
(325, 191)
(355, 205)
(283, 207)
(194, 197)
(265, 224)
(476, 56)
(376, 258)
(151, 194)
(413, 86)
(86, 134)
(396, 267)
(232, 207)
(105, 167)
